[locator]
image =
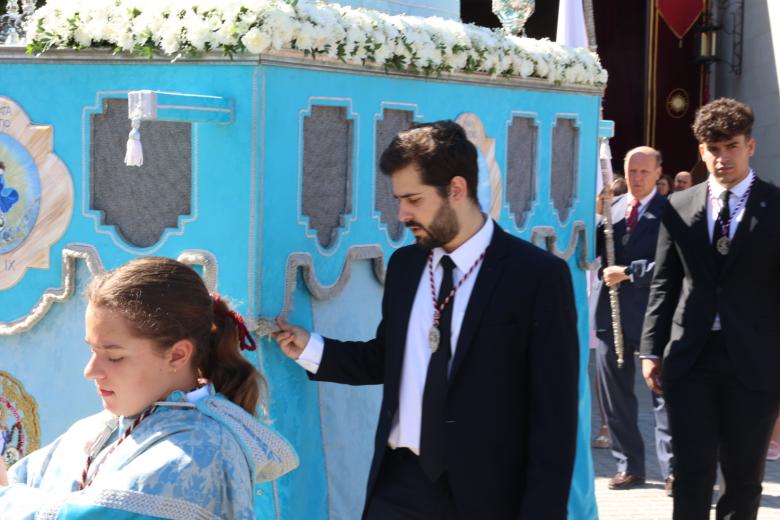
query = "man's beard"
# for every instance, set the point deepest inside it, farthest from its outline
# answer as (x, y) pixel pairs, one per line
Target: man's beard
(441, 230)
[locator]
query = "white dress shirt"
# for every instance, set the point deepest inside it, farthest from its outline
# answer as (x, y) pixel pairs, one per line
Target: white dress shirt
(713, 209)
(405, 431)
(621, 207)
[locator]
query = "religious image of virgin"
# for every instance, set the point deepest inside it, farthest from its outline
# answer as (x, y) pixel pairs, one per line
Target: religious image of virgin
(11, 435)
(8, 195)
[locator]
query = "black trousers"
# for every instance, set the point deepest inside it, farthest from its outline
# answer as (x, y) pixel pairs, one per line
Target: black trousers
(713, 416)
(403, 492)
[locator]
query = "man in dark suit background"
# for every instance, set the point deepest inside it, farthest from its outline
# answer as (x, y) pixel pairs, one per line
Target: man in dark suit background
(636, 217)
(479, 407)
(714, 319)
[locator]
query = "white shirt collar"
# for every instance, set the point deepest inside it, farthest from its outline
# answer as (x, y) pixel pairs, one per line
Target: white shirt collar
(468, 252)
(736, 192)
(644, 200)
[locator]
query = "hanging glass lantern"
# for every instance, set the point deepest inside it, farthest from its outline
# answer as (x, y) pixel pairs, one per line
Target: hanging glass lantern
(513, 14)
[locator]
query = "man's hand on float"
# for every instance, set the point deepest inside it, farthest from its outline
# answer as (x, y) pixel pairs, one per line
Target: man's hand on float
(291, 338)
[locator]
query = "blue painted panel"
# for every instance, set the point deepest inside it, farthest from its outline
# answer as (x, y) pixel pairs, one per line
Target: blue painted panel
(49, 361)
(292, 92)
(223, 172)
(224, 205)
(349, 414)
(246, 211)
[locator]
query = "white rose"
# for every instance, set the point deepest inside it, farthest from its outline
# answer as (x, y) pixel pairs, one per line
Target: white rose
(542, 66)
(457, 60)
(125, 41)
(355, 37)
(82, 36)
(525, 68)
(429, 55)
(381, 55)
(322, 36)
(282, 26)
(169, 36)
(304, 39)
(225, 35)
(256, 41)
(197, 29)
(214, 21)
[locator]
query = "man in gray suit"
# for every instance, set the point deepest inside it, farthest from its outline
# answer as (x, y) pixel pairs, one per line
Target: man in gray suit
(636, 217)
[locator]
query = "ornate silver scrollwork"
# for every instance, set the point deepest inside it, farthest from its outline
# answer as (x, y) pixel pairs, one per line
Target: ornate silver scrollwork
(264, 325)
(542, 236)
(70, 255)
(90, 256)
(207, 261)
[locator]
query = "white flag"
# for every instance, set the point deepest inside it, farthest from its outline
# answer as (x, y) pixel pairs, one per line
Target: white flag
(605, 152)
(571, 24)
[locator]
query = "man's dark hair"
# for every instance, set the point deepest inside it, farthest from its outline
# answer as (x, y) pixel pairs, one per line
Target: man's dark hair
(440, 150)
(722, 119)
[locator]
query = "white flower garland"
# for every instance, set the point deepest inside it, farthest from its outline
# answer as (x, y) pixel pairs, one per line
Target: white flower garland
(353, 35)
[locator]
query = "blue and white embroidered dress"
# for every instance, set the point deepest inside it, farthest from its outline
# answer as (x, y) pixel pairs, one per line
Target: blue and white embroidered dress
(196, 457)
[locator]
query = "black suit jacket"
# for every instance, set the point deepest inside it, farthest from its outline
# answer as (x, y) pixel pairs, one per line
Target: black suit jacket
(687, 290)
(639, 254)
(512, 398)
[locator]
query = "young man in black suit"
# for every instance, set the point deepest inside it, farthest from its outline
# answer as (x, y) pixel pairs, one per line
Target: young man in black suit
(714, 320)
(479, 408)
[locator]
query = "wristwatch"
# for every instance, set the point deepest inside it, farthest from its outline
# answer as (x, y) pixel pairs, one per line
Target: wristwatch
(627, 271)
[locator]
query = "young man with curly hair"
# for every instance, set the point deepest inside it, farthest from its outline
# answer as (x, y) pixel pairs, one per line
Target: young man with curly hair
(710, 338)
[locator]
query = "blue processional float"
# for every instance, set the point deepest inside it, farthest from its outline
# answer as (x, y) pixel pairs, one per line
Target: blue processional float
(255, 129)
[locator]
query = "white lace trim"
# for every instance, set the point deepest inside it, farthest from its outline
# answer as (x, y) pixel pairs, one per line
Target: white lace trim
(133, 502)
(279, 458)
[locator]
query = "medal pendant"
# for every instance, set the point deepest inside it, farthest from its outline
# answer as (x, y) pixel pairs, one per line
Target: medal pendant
(722, 245)
(626, 238)
(433, 338)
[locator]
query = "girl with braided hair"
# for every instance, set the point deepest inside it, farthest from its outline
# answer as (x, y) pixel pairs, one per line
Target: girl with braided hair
(179, 436)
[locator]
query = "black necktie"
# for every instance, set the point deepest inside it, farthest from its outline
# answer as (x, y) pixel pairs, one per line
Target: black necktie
(432, 435)
(724, 217)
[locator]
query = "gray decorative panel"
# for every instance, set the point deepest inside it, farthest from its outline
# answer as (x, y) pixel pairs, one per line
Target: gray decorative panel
(393, 121)
(139, 202)
(521, 167)
(563, 177)
(327, 170)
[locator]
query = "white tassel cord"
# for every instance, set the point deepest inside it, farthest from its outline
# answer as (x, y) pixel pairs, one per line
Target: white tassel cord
(135, 152)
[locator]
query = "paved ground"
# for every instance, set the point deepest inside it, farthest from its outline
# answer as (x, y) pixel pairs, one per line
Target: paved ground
(649, 502)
